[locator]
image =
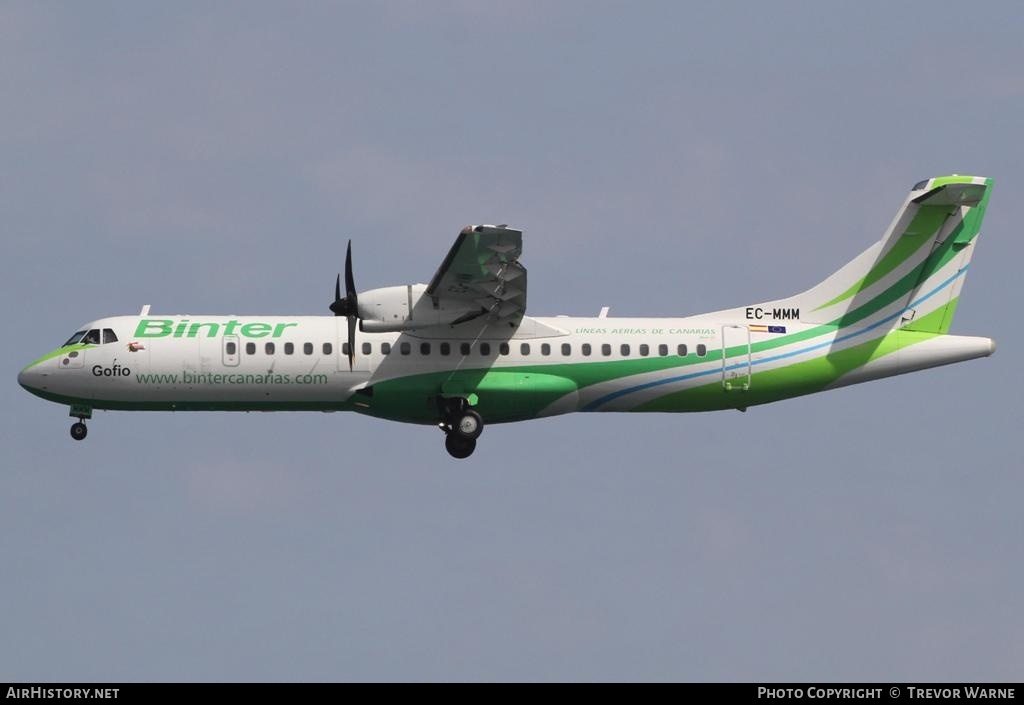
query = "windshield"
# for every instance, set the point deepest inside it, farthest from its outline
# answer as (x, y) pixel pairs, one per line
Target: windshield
(75, 338)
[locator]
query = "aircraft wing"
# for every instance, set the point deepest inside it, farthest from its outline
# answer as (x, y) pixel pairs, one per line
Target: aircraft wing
(482, 268)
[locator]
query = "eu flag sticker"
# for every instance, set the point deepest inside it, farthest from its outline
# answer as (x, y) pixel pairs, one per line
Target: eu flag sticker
(776, 329)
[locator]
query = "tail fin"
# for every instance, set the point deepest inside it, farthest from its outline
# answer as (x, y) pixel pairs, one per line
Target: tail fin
(914, 274)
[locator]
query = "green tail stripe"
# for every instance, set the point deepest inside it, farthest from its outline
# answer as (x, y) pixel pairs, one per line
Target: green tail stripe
(922, 228)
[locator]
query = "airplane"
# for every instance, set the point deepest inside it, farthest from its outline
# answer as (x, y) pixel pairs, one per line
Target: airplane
(461, 351)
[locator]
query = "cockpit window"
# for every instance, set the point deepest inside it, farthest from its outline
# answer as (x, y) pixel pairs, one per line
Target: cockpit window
(108, 336)
(92, 337)
(75, 338)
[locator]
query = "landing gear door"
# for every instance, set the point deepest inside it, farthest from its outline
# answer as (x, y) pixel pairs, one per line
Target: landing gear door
(735, 358)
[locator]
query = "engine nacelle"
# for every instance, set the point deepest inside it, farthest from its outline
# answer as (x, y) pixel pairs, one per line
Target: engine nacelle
(398, 308)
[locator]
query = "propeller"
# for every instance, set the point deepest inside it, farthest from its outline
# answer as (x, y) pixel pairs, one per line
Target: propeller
(348, 306)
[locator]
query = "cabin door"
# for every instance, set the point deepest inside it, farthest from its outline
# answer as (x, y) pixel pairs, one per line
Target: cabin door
(735, 358)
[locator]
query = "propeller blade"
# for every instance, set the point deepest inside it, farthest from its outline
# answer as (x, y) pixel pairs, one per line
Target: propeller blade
(338, 305)
(350, 283)
(349, 305)
(351, 341)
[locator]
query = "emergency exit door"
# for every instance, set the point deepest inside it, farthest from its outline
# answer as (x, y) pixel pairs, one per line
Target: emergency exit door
(230, 352)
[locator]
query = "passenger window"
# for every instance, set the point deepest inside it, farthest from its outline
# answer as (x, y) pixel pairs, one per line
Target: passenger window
(108, 336)
(385, 348)
(485, 349)
(681, 351)
(585, 349)
(606, 349)
(464, 348)
(405, 348)
(566, 349)
(702, 350)
(367, 348)
(644, 350)
(624, 349)
(344, 348)
(307, 348)
(92, 337)
(503, 349)
(663, 350)
(230, 348)
(289, 348)
(250, 348)
(545, 349)
(524, 348)
(424, 348)
(328, 348)
(269, 348)
(446, 349)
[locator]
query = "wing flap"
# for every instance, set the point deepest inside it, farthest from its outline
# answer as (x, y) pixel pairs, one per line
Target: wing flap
(484, 260)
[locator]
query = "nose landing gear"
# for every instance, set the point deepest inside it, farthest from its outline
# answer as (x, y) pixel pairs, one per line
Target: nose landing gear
(79, 431)
(461, 425)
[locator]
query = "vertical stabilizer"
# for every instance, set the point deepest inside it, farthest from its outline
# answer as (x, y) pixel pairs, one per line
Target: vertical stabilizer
(916, 270)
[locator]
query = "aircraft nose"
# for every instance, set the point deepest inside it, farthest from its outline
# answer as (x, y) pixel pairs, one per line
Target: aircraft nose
(25, 379)
(29, 378)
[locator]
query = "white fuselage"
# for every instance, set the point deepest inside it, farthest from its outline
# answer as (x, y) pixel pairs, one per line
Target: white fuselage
(301, 363)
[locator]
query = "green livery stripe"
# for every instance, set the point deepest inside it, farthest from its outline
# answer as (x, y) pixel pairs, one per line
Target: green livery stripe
(57, 353)
(740, 351)
(922, 228)
(965, 232)
(793, 380)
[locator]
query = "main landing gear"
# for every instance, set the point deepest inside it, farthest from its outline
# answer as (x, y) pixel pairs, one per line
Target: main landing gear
(459, 447)
(461, 425)
(79, 431)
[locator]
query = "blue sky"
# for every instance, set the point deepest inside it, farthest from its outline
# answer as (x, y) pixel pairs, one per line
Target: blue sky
(663, 159)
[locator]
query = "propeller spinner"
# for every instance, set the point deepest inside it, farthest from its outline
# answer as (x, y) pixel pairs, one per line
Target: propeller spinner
(348, 306)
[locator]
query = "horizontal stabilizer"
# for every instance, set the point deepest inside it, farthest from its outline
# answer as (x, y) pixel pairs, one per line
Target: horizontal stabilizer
(953, 195)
